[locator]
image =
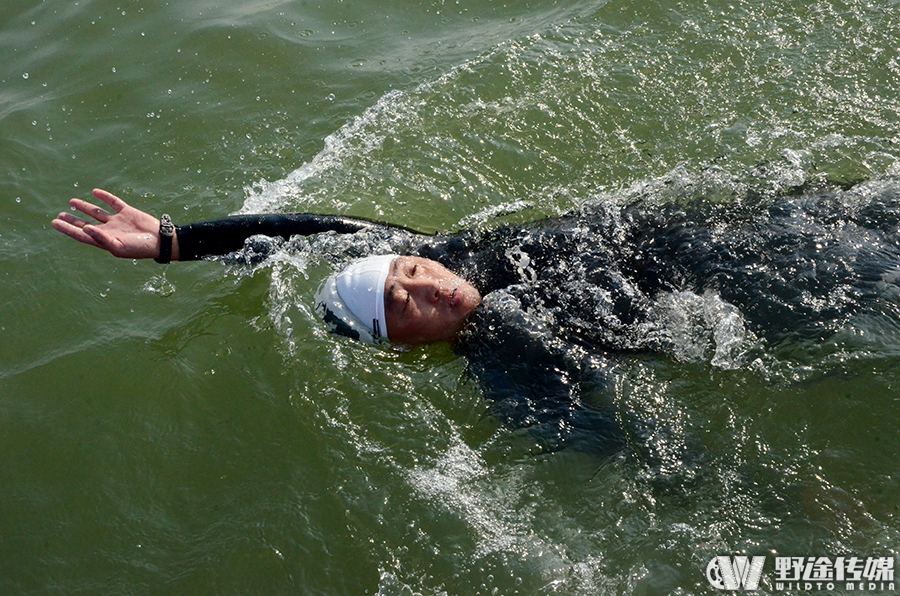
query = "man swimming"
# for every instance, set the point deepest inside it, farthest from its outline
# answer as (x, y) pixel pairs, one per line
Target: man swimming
(413, 298)
(544, 312)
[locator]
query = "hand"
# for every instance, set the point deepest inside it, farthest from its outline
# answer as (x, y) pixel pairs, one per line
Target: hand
(128, 233)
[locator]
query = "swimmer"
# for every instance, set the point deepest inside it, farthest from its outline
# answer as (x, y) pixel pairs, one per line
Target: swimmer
(544, 312)
(431, 293)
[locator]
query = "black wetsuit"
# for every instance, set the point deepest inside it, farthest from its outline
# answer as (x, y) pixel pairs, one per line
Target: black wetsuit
(564, 297)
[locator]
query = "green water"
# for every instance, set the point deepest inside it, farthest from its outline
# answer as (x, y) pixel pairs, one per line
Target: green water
(192, 429)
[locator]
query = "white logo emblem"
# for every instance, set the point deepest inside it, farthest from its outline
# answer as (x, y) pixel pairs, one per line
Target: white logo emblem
(727, 573)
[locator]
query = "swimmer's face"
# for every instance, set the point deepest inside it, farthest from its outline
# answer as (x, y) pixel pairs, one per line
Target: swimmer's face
(424, 302)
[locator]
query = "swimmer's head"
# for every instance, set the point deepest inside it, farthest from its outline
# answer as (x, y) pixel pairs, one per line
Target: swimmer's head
(401, 299)
(352, 301)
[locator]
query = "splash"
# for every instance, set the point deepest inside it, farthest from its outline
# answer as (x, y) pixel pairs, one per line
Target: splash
(700, 327)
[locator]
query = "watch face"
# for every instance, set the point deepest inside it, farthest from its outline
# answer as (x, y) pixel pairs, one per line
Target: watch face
(166, 227)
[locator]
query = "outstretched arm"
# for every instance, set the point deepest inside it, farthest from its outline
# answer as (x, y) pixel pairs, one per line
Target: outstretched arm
(134, 234)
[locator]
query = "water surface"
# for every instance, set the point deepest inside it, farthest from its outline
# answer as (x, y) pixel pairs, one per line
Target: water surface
(193, 428)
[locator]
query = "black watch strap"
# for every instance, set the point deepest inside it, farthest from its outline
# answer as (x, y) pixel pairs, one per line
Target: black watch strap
(166, 232)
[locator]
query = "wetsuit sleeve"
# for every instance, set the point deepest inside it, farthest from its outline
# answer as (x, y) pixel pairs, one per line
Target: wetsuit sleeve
(223, 236)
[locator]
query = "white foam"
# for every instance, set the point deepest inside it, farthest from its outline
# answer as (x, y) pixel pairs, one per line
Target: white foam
(348, 144)
(700, 327)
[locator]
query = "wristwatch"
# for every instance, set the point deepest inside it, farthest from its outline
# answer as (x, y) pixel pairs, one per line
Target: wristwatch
(166, 233)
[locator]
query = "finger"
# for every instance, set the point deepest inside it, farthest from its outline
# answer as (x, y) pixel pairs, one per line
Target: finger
(71, 219)
(89, 209)
(110, 199)
(73, 231)
(105, 240)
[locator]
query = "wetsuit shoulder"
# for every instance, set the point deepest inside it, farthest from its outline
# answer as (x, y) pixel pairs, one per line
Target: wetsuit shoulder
(535, 381)
(479, 258)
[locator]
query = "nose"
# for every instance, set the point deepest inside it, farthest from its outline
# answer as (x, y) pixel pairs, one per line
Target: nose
(427, 289)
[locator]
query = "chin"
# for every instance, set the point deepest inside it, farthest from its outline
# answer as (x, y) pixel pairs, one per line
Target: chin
(470, 297)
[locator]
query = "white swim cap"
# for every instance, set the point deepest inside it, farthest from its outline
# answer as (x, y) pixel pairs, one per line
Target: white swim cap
(352, 301)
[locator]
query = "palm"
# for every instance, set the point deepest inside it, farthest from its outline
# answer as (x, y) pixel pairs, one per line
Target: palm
(127, 233)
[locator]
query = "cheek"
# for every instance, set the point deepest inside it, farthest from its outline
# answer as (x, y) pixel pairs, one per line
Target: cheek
(431, 319)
